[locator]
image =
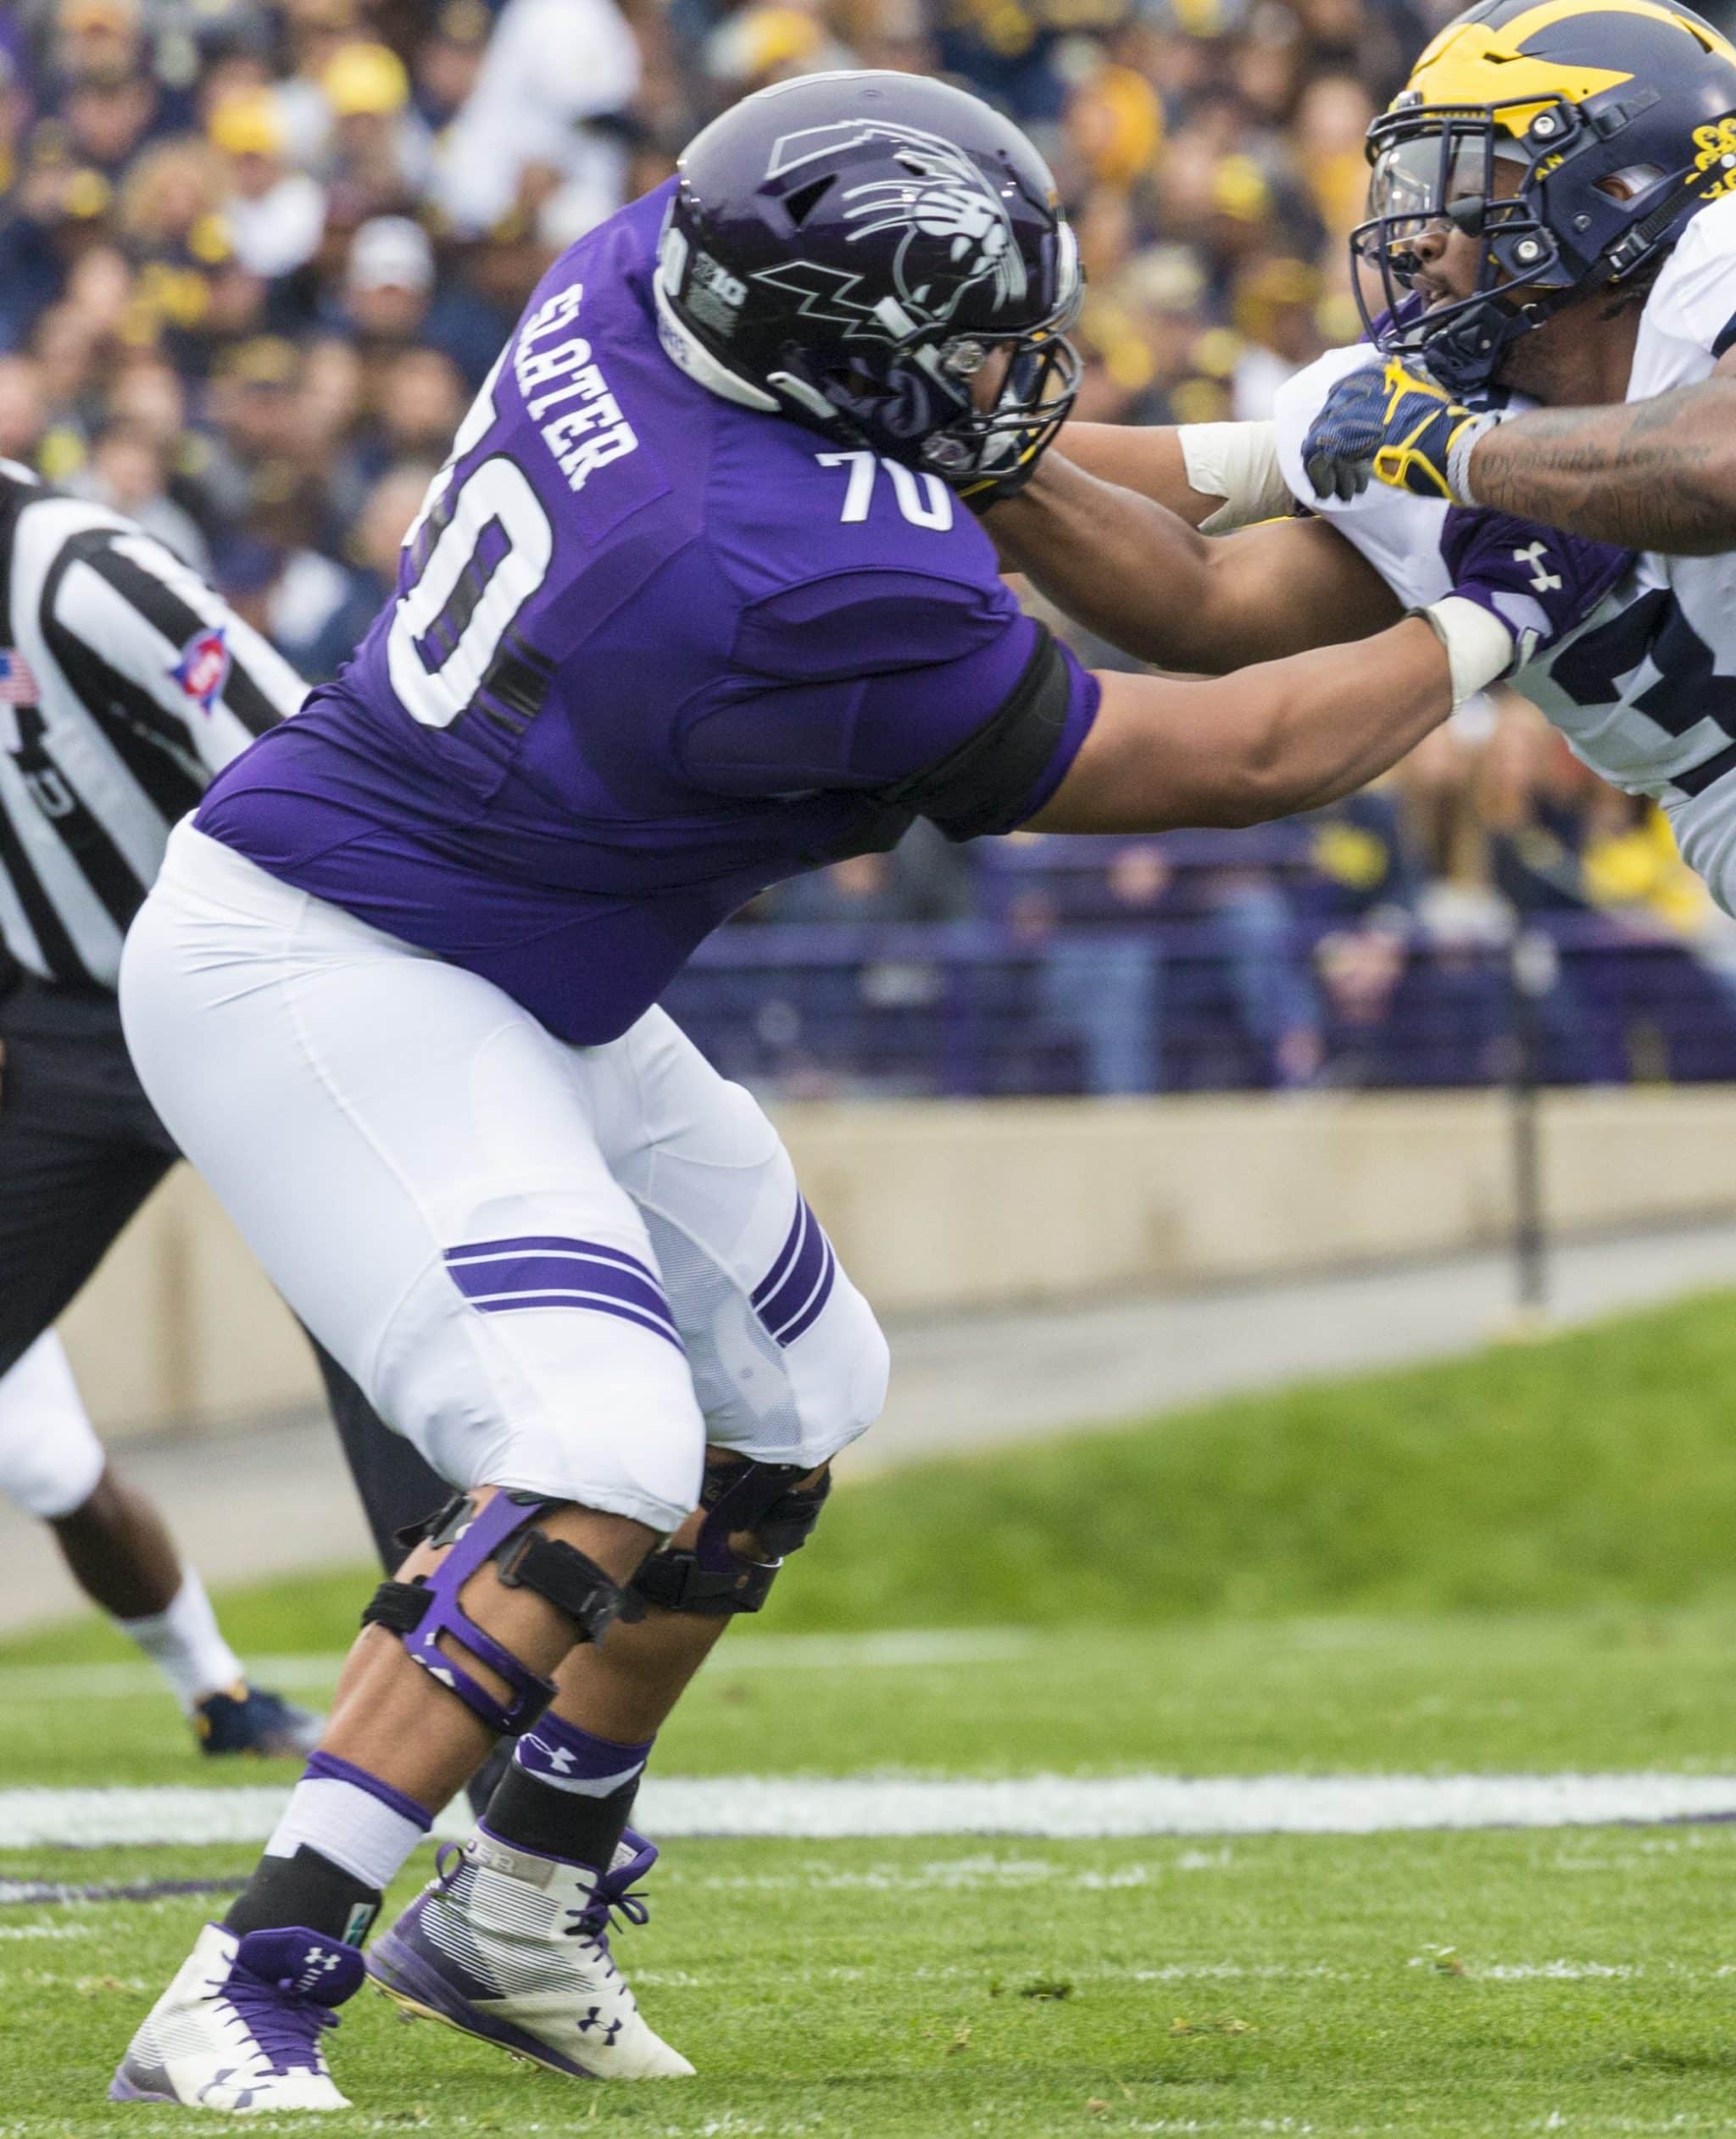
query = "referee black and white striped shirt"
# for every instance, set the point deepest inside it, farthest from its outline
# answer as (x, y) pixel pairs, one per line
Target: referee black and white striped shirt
(125, 684)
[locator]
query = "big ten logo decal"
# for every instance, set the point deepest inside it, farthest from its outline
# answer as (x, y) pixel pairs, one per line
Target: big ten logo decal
(715, 296)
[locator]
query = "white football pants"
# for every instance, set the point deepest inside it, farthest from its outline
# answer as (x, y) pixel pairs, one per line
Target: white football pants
(50, 1457)
(556, 1268)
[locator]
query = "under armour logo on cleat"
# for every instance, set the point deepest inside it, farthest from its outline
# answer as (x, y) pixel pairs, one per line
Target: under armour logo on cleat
(243, 2096)
(1542, 581)
(318, 1961)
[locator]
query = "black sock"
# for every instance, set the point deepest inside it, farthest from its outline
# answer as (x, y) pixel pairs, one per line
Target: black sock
(306, 1892)
(532, 1814)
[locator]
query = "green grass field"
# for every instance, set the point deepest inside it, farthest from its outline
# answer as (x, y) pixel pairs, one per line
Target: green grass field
(1525, 1561)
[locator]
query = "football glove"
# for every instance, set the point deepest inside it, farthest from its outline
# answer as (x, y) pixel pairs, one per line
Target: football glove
(1400, 430)
(1538, 582)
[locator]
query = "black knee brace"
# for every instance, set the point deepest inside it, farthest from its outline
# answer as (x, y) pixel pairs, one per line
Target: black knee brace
(738, 1495)
(424, 1609)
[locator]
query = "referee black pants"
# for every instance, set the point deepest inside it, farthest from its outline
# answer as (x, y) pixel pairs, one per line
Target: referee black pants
(80, 1149)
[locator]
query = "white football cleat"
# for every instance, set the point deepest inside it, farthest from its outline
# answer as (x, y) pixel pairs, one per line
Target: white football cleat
(239, 2028)
(514, 1947)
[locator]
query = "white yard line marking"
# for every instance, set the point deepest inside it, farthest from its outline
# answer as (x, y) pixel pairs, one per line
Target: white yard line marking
(1053, 1807)
(759, 1652)
(1131, 1805)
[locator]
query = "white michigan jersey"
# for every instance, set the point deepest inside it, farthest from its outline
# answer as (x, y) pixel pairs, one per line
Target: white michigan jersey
(1646, 690)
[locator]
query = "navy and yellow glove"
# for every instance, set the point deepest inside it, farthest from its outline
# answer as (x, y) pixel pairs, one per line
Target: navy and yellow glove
(1388, 425)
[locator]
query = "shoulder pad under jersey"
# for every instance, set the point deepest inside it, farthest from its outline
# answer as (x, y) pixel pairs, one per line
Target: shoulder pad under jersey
(1398, 533)
(1694, 298)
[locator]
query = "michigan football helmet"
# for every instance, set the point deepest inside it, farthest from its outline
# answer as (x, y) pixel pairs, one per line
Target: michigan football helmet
(1572, 138)
(849, 250)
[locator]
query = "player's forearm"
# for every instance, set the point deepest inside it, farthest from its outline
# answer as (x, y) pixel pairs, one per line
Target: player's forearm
(1273, 740)
(1128, 570)
(1650, 475)
(1326, 723)
(1146, 459)
(1217, 476)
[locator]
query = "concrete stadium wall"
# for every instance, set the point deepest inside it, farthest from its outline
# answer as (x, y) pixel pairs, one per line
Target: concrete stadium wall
(949, 1206)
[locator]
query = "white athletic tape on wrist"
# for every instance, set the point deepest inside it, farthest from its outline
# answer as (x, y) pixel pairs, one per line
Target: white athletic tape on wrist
(1463, 445)
(1480, 648)
(1238, 462)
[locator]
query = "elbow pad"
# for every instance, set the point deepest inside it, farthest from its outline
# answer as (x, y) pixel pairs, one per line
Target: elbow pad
(1238, 462)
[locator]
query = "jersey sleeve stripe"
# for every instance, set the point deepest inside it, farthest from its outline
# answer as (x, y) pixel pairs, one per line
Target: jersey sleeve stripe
(1725, 339)
(143, 739)
(100, 687)
(251, 704)
(180, 623)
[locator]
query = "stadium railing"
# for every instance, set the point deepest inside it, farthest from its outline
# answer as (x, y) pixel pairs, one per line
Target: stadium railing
(995, 1008)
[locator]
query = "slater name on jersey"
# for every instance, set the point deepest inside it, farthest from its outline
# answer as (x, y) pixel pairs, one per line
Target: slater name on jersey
(562, 374)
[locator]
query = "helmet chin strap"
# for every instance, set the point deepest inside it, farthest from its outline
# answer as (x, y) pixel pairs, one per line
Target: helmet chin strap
(1465, 355)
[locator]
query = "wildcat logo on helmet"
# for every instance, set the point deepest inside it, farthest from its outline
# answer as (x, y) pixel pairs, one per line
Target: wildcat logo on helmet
(957, 233)
(204, 667)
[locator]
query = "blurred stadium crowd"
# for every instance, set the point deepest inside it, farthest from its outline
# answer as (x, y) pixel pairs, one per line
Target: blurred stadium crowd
(256, 255)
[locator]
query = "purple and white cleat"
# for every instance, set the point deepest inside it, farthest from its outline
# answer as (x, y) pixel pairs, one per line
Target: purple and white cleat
(514, 1947)
(240, 2027)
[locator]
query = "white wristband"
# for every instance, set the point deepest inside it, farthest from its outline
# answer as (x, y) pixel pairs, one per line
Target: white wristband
(1238, 462)
(1470, 437)
(1480, 649)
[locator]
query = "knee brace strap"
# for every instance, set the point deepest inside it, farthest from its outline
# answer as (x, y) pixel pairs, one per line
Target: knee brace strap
(761, 1497)
(676, 1582)
(713, 1579)
(442, 1525)
(424, 1609)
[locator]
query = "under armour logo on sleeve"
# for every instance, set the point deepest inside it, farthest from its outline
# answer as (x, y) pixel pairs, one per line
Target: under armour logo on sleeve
(1542, 581)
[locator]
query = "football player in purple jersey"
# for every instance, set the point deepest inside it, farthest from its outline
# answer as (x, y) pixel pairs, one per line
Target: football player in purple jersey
(698, 603)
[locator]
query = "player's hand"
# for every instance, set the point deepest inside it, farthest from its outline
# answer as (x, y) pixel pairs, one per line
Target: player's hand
(1386, 424)
(1539, 582)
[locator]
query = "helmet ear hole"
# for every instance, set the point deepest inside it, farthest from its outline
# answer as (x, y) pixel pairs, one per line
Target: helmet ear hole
(1627, 185)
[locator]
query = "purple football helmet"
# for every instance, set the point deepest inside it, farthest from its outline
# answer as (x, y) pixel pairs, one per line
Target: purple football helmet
(849, 250)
